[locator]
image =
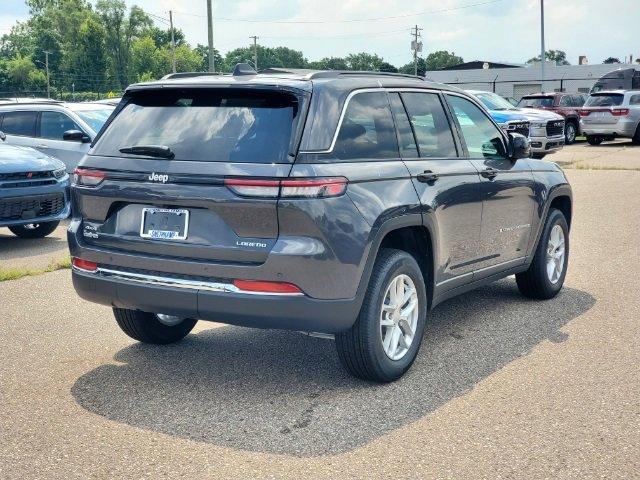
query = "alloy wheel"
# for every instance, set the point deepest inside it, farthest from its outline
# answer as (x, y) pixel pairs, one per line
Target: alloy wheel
(399, 317)
(555, 254)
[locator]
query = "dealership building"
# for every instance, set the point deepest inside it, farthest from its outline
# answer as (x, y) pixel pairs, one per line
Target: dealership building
(511, 80)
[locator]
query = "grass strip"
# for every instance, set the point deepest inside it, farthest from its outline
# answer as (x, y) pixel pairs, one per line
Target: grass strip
(16, 273)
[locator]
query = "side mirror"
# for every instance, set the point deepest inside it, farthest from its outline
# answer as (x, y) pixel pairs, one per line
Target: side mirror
(76, 136)
(3, 137)
(519, 146)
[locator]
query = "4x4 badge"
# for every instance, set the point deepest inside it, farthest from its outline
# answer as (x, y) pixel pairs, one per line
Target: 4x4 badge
(155, 177)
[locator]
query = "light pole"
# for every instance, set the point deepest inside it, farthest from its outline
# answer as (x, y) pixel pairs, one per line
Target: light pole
(542, 50)
(255, 52)
(212, 65)
(173, 42)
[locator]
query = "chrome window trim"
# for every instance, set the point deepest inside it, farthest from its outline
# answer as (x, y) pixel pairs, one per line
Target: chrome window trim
(346, 105)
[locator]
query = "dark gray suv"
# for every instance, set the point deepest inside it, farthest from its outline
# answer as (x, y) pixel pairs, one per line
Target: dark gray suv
(343, 203)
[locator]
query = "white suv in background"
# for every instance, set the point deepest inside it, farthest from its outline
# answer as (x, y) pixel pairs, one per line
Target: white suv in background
(58, 129)
(608, 115)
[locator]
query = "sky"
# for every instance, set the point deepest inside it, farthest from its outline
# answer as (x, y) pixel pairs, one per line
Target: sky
(488, 30)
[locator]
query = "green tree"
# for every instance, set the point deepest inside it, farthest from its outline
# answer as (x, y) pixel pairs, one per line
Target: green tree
(163, 37)
(329, 63)
(387, 67)
(442, 59)
(611, 60)
(363, 61)
(557, 56)
(23, 75)
(203, 53)
(410, 69)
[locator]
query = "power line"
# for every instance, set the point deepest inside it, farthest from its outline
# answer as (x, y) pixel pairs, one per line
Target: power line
(355, 20)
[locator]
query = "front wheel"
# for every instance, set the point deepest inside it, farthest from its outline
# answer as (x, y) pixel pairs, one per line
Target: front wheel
(570, 133)
(594, 139)
(153, 328)
(545, 276)
(385, 339)
(34, 230)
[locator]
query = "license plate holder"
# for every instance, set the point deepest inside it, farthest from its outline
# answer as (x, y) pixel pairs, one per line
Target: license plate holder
(164, 223)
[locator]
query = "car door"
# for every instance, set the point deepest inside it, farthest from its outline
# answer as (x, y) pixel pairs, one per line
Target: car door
(447, 184)
(20, 127)
(52, 126)
(507, 188)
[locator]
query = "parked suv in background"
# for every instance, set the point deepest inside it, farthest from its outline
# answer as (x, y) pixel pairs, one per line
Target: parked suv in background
(566, 104)
(34, 191)
(58, 129)
(546, 128)
(345, 203)
(608, 115)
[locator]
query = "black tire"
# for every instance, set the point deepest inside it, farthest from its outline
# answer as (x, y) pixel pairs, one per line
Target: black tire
(34, 230)
(636, 137)
(535, 283)
(570, 133)
(146, 328)
(360, 349)
(594, 139)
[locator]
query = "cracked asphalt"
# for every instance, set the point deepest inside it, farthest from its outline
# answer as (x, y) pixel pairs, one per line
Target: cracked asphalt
(504, 387)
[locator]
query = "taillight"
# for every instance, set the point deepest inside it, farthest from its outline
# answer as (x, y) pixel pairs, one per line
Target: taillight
(260, 286)
(619, 112)
(289, 188)
(585, 113)
(88, 178)
(84, 265)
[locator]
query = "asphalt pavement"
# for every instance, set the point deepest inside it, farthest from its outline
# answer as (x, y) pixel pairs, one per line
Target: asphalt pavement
(504, 387)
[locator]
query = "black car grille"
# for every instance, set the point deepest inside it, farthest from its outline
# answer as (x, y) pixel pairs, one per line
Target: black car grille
(25, 208)
(26, 179)
(555, 127)
(25, 176)
(519, 127)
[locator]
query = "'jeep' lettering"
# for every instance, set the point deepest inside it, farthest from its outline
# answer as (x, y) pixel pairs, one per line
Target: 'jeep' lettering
(156, 177)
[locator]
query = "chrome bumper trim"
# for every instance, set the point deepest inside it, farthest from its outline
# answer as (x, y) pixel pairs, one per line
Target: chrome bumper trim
(155, 280)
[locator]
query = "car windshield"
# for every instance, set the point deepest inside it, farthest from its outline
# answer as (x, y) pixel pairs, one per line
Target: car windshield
(223, 125)
(493, 101)
(95, 118)
(536, 102)
(604, 100)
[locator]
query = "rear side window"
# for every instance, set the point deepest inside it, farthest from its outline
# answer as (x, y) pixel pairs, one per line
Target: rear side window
(565, 101)
(604, 100)
(230, 125)
(634, 100)
(430, 125)
(367, 130)
(408, 147)
(54, 124)
(20, 123)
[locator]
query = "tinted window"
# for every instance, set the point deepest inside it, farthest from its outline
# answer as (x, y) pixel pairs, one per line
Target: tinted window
(408, 147)
(430, 125)
(54, 124)
(482, 137)
(578, 100)
(604, 100)
(20, 123)
(536, 102)
(565, 101)
(634, 100)
(367, 130)
(226, 125)
(493, 101)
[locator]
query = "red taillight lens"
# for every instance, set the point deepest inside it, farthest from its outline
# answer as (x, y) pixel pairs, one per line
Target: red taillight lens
(585, 113)
(314, 187)
(85, 265)
(290, 188)
(260, 286)
(88, 178)
(620, 112)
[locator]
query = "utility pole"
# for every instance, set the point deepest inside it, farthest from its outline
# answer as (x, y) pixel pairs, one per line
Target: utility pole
(46, 65)
(173, 42)
(416, 46)
(212, 64)
(255, 52)
(542, 50)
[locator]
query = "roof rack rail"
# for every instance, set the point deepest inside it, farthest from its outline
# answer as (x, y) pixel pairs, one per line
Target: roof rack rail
(313, 74)
(29, 101)
(171, 76)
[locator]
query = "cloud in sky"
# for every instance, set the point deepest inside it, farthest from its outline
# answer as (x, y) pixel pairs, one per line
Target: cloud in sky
(506, 30)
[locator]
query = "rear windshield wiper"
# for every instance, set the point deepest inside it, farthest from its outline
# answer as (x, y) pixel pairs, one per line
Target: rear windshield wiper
(150, 150)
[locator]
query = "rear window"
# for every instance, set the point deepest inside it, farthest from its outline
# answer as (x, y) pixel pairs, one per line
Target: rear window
(536, 102)
(606, 100)
(229, 125)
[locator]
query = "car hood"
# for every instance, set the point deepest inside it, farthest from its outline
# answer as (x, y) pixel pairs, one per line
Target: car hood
(504, 116)
(14, 159)
(532, 114)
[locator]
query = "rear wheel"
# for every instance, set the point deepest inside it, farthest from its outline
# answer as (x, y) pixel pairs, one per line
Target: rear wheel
(153, 328)
(545, 276)
(34, 230)
(570, 133)
(386, 337)
(594, 139)
(636, 137)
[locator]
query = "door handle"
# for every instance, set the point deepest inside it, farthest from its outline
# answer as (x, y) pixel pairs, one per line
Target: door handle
(42, 146)
(489, 173)
(427, 177)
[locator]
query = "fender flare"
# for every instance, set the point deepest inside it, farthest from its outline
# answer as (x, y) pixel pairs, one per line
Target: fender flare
(560, 190)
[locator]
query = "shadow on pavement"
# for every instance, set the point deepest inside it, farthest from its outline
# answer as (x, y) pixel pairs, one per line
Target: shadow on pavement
(282, 392)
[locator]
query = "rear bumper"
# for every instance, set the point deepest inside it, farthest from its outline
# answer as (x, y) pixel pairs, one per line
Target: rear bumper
(621, 128)
(206, 302)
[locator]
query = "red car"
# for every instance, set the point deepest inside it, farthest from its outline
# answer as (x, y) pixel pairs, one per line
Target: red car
(566, 104)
